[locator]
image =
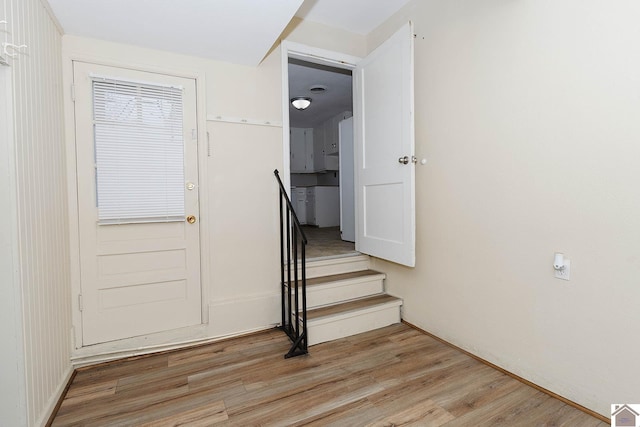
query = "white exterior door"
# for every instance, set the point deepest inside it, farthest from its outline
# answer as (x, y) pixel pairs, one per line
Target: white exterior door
(140, 272)
(384, 135)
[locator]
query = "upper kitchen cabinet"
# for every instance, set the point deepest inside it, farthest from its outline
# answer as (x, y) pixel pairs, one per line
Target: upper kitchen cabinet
(316, 150)
(302, 150)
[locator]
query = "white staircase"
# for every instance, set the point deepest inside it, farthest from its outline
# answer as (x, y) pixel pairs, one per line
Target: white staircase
(345, 297)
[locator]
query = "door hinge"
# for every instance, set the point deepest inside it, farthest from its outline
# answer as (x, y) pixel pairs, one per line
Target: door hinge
(73, 93)
(80, 302)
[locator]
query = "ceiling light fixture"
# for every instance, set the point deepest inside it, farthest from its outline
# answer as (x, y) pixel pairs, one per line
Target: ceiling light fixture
(317, 88)
(301, 102)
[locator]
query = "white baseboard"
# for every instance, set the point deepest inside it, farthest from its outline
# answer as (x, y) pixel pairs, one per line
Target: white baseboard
(55, 398)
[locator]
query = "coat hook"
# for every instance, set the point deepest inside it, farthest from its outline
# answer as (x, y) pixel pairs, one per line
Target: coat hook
(17, 49)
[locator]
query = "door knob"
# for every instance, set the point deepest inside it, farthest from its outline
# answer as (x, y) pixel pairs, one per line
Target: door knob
(406, 159)
(191, 219)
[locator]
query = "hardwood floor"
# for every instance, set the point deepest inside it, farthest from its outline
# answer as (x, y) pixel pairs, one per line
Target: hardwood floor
(389, 377)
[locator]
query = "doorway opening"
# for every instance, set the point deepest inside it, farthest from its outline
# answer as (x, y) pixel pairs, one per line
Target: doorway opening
(321, 156)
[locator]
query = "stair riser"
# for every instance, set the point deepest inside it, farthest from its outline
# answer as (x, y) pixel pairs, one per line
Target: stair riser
(329, 267)
(324, 329)
(332, 293)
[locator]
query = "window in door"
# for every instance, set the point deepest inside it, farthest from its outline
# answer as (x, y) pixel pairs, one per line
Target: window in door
(139, 151)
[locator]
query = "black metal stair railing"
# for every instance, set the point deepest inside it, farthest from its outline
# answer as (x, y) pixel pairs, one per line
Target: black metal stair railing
(293, 244)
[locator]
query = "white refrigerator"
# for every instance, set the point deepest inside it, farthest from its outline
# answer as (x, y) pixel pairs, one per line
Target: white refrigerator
(347, 187)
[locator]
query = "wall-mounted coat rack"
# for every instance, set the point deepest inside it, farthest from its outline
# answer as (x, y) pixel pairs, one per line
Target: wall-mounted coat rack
(3, 60)
(12, 50)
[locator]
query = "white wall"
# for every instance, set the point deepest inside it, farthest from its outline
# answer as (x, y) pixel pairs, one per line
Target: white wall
(35, 286)
(528, 114)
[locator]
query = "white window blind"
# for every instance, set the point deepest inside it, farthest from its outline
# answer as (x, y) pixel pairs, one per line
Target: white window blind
(139, 151)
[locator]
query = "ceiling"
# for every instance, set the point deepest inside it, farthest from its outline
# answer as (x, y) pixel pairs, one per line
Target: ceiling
(356, 16)
(236, 31)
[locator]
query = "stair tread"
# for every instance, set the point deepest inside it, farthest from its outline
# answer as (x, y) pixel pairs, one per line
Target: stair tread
(344, 307)
(343, 276)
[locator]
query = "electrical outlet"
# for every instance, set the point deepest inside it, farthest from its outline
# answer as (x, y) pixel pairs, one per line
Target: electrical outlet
(564, 273)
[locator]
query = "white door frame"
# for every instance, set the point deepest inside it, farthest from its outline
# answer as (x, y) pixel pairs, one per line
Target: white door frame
(309, 54)
(72, 191)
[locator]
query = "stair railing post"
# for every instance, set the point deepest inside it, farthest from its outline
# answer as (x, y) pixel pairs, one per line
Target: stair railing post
(291, 235)
(296, 311)
(282, 283)
(288, 324)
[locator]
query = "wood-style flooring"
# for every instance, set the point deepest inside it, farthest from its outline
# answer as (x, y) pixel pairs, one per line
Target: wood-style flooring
(390, 377)
(326, 242)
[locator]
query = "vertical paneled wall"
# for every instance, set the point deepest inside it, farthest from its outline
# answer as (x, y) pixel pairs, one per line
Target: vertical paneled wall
(42, 206)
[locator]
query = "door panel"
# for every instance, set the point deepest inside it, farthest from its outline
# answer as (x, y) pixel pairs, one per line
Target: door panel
(136, 278)
(384, 133)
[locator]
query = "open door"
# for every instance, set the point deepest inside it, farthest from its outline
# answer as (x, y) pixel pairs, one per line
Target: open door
(384, 151)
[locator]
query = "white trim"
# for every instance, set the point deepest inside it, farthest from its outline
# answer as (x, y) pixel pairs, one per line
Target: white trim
(310, 54)
(55, 397)
(115, 80)
(52, 16)
(72, 192)
(243, 121)
(319, 56)
(106, 356)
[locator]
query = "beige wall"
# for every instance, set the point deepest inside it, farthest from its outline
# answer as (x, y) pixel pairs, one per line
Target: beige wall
(528, 114)
(35, 278)
(324, 37)
(238, 191)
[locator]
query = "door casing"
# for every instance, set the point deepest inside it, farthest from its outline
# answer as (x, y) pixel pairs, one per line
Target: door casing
(308, 54)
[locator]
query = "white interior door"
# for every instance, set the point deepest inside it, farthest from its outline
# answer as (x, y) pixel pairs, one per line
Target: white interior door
(347, 190)
(137, 181)
(384, 138)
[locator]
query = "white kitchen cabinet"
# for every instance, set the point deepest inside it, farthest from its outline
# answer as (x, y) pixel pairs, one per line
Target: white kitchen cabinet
(299, 202)
(311, 205)
(317, 205)
(318, 152)
(301, 150)
(327, 206)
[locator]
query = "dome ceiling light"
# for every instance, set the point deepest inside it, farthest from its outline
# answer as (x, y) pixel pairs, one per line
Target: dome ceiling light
(301, 102)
